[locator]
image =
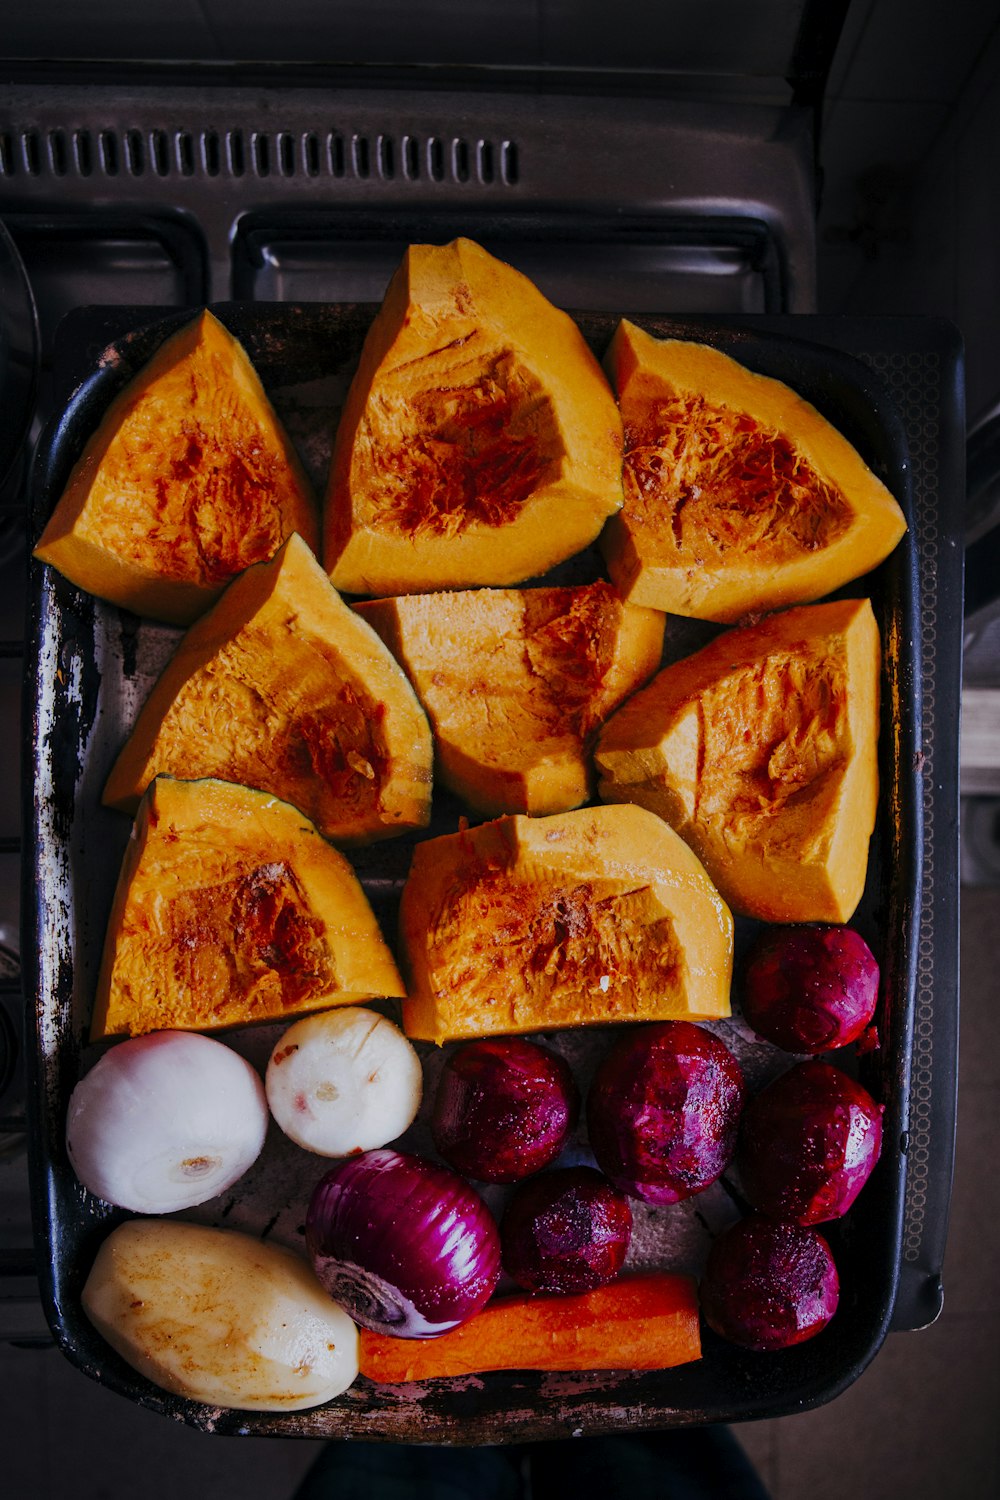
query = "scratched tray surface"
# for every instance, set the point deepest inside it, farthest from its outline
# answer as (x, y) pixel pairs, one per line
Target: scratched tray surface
(91, 667)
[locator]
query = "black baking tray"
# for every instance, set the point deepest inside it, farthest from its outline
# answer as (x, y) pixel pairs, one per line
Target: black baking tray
(89, 666)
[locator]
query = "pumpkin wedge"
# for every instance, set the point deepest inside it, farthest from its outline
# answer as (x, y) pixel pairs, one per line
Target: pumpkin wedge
(479, 442)
(761, 751)
(739, 496)
(283, 688)
(533, 924)
(188, 480)
(516, 683)
(232, 908)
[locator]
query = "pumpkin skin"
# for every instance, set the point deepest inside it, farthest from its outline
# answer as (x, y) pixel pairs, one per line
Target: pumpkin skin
(516, 683)
(594, 916)
(282, 687)
(739, 496)
(232, 908)
(188, 480)
(479, 443)
(761, 751)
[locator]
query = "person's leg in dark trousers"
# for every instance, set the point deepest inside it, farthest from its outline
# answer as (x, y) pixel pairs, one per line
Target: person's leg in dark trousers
(389, 1471)
(696, 1463)
(701, 1463)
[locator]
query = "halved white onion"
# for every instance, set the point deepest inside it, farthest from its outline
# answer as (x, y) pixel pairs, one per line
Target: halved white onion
(166, 1121)
(343, 1081)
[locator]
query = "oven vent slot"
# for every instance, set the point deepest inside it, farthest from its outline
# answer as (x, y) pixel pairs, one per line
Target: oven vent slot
(312, 155)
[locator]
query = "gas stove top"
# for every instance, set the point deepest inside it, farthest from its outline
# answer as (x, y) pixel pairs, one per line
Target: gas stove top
(166, 192)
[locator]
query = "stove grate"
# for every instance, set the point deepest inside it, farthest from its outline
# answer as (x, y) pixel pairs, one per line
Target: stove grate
(160, 152)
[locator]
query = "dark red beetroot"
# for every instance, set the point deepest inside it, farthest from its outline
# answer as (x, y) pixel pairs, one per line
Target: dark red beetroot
(565, 1231)
(808, 1144)
(504, 1108)
(810, 989)
(769, 1285)
(664, 1110)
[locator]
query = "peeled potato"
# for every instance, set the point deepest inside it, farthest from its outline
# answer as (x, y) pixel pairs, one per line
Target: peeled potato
(218, 1317)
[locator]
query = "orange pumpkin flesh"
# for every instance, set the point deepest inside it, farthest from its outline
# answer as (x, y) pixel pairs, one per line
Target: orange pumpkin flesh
(232, 908)
(516, 683)
(479, 443)
(761, 751)
(188, 480)
(528, 924)
(283, 688)
(739, 496)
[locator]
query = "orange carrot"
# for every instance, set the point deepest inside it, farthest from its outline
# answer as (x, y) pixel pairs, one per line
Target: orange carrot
(643, 1322)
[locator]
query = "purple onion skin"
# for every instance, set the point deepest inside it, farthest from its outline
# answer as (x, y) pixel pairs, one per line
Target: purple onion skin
(405, 1245)
(504, 1108)
(808, 1144)
(663, 1111)
(768, 1285)
(565, 1231)
(810, 989)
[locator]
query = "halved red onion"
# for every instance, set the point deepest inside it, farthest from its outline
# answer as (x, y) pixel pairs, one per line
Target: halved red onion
(405, 1245)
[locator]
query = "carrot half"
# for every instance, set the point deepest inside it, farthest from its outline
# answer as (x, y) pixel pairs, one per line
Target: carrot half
(643, 1322)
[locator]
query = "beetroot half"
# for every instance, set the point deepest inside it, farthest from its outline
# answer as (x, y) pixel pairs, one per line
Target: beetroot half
(565, 1231)
(810, 989)
(504, 1108)
(808, 1144)
(663, 1111)
(768, 1285)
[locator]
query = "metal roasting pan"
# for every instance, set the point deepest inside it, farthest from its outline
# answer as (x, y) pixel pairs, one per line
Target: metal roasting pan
(90, 667)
